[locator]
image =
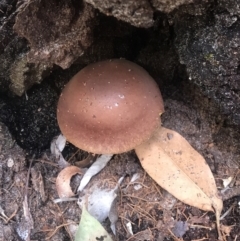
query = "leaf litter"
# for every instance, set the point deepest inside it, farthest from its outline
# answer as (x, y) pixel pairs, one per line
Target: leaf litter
(95, 168)
(90, 229)
(100, 202)
(57, 145)
(63, 180)
(25, 226)
(188, 177)
(120, 164)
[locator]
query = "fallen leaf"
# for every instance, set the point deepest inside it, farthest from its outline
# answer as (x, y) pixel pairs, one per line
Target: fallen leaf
(101, 202)
(98, 201)
(113, 215)
(57, 145)
(95, 168)
(85, 162)
(90, 229)
(61, 142)
(129, 228)
(173, 163)
(63, 181)
(227, 181)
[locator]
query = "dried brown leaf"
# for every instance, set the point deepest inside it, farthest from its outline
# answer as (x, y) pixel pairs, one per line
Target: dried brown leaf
(38, 184)
(63, 181)
(173, 163)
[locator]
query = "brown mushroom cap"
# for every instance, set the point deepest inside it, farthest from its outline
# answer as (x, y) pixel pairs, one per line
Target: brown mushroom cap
(109, 107)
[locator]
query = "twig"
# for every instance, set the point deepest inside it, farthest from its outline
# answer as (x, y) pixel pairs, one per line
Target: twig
(65, 199)
(56, 229)
(142, 199)
(74, 154)
(124, 224)
(27, 223)
(174, 237)
(12, 215)
(199, 226)
(143, 211)
(228, 211)
(200, 239)
(64, 221)
(136, 234)
(234, 178)
(230, 192)
(5, 220)
(48, 162)
(159, 192)
(126, 219)
(133, 183)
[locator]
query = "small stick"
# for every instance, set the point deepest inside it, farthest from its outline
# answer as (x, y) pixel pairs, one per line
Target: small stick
(142, 199)
(56, 229)
(228, 211)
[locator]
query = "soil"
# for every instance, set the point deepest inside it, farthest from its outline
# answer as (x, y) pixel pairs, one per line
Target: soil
(150, 209)
(28, 124)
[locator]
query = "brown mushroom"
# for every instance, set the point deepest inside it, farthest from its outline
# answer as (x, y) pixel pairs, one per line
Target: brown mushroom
(114, 106)
(110, 107)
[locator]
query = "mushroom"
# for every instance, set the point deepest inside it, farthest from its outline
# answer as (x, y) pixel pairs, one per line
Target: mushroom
(114, 106)
(110, 107)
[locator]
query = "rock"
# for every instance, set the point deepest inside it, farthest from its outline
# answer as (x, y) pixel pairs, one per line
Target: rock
(137, 13)
(209, 48)
(58, 31)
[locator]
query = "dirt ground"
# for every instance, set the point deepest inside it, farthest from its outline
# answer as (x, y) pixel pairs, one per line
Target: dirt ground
(151, 210)
(199, 81)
